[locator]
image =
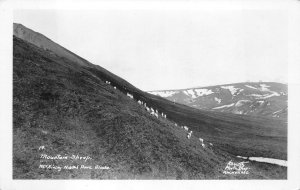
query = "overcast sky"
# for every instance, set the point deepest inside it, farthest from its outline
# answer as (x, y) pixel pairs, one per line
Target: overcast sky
(172, 49)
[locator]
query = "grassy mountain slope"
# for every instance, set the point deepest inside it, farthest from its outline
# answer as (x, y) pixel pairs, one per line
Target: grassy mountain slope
(68, 111)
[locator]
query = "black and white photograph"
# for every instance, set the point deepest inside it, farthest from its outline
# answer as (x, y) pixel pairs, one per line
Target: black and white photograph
(177, 91)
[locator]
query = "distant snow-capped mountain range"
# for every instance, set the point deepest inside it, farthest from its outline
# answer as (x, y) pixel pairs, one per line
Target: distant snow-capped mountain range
(251, 98)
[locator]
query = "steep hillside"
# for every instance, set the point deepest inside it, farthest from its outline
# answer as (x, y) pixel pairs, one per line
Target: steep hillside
(255, 98)
(62, 107)
(68, 111)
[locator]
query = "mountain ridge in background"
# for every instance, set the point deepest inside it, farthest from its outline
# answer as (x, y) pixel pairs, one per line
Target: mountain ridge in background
(251, 98)
(72, 107)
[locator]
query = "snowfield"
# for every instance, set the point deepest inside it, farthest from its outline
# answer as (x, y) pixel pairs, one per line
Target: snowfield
(264, 87)
(224, 106)
(191, 93)
(242, 102)
(232, 89)
(194, 93)
(202, 92)
(218, 100)
(163, 93)
(251, 87)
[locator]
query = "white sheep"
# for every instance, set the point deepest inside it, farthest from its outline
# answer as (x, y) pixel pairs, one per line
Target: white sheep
(189, 134)
(130, 95)
(153, 113)
(201, 140)
(186, 128)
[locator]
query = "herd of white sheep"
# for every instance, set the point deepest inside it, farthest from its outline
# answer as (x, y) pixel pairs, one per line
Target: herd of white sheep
(155, 113)
(189, 135)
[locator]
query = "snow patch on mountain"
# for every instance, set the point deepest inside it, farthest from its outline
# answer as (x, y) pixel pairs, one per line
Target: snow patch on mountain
(242, 102)
(191, 93)
(261, 102)
(251, 87)
(164, 93)
(202, 92)
(255, 95)
(240, 90)
(264, 96)
(224, 106)
(264, 87)
(218, 100)
(232, 89)
(271, 95)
